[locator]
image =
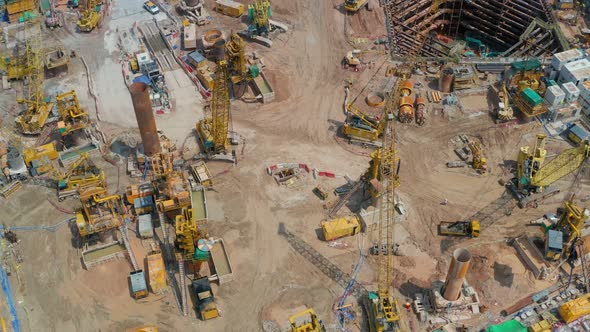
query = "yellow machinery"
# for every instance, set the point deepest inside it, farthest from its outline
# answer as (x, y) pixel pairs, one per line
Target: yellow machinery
(306, 321)
(382, 308)
(172, 192)
(340, 227)
(188, 232)
(361, 127)
(406, 109)
(259, 14)
(80, 175)
(560, 239)
(144, 328)
(354, 6)
(100, 212)
(377, 171)
(479, 161)
(213, 132)
(575, 309)
(534, 177)
(505, 112)
(72, 116)
(39, 159)
(37, 110)
(529, 162)
(459, 228)
(14, 70)
(90, 17)
(234, 53)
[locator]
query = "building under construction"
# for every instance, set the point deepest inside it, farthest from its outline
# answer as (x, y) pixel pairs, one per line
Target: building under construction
(490, 27)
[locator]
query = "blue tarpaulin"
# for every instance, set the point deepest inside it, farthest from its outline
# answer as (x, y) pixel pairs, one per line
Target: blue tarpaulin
(142, 79)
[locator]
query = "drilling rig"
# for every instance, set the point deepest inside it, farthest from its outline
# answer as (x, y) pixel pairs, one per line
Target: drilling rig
(37, 109)
(72, 116)
(261, 25)
(90, 17)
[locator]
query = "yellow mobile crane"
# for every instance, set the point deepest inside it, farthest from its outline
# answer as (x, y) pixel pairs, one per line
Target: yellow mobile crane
(561, 238)
(90, 17)
(213, 132)
(382, 308)
(72, 116)
(37, 110)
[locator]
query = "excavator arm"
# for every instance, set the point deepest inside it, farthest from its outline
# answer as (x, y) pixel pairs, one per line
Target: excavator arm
(567, 162)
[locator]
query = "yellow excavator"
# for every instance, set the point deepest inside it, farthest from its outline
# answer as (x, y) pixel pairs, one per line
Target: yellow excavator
(560, 239)
(91, 17)
(479, 161)
(306, 321)
(505, 111)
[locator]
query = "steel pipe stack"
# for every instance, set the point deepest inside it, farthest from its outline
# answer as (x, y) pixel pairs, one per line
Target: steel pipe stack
(146, 120)
(456, 275)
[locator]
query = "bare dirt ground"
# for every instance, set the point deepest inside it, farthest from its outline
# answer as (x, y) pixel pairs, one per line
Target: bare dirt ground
(246, 205)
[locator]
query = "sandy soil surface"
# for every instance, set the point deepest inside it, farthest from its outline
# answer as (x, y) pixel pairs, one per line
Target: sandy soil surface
(246, 206)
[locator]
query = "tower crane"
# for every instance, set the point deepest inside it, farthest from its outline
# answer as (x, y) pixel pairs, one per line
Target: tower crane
(37, 109)
(213, 132)
(382, 307)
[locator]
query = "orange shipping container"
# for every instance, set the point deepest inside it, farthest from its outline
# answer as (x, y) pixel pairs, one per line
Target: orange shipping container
(156, 272)
(20, 6)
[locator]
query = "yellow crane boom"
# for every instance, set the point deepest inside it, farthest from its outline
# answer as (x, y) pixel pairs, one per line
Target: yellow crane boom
(562, 165)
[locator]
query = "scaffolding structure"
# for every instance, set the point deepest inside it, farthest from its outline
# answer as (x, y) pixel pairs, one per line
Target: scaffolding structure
(430, 27)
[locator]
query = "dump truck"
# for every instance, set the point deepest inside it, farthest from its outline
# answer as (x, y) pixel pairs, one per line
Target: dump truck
(340, 227)
(459, 228)
(205, 302)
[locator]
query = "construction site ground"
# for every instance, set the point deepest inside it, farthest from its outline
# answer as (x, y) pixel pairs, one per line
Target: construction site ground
(271, 280)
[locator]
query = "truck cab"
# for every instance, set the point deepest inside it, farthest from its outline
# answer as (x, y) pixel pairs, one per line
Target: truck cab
(205, 302)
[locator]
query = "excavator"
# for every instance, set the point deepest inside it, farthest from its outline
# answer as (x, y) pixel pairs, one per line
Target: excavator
(213, 131)
(560, 239)
(72, 116)
(306, 321)
(100, 211)
(381, 307)
(90, 18)
(505, 112)
(37, 109)
(533, 175)
(479, 161)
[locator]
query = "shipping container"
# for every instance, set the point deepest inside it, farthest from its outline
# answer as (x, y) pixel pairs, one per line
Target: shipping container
(531, 96)
(229, 8)
(156, 272)
(145, 227)
(577, 134)
(340, 227)
(138, 285)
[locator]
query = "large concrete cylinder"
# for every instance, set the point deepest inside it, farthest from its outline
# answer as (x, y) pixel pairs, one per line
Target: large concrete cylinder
(445, 82)
(145, 118)
(456, 275)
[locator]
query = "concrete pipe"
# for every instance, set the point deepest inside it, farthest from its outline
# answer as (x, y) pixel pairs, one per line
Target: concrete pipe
(445, 82)
(456, 275)
(146, 120)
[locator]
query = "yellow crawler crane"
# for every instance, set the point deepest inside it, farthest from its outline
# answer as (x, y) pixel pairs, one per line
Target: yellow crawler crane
(565, 163)
(37, 109)
(100, 211)
(90, 17)
(72, 116)
(306, 321)
(382, 307)
(213, 132)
